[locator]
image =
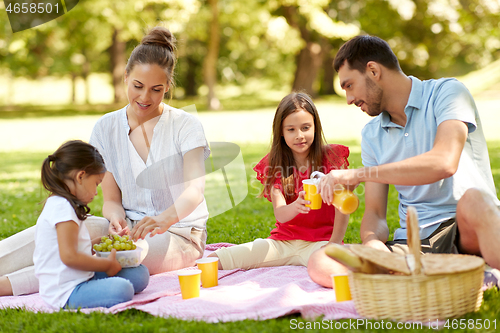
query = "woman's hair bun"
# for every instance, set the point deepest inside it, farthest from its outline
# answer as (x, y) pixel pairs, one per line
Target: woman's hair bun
(160, 36)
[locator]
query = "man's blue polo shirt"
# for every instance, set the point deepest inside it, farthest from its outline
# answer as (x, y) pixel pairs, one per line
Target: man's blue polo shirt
(430, 103)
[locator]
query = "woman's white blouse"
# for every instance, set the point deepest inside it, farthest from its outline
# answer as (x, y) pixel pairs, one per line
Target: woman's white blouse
(150, 188)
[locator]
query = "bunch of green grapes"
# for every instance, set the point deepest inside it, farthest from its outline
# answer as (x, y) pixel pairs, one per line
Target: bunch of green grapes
(120, 243)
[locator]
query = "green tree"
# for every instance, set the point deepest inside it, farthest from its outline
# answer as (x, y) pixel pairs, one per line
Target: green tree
(79, 52)
(318, 31)
(25, 53)
(210, 62)
(284, 43)
(431, 38)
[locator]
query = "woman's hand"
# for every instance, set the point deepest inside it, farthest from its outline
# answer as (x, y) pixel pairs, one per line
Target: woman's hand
(118, 225)
(149, 224)
(185, 204)
(114, 265)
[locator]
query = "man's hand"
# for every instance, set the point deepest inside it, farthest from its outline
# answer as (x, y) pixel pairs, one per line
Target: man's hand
(335, 178)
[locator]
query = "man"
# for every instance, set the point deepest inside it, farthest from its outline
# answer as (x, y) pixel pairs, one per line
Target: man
(427, 140)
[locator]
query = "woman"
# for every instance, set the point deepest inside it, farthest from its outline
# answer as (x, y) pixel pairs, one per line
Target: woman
(155, 159)
(154, 185)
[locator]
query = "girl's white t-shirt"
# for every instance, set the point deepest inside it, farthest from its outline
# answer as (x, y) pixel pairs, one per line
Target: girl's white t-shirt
(57, 281)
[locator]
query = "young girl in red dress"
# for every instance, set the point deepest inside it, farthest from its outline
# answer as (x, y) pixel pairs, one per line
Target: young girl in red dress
(298, 149)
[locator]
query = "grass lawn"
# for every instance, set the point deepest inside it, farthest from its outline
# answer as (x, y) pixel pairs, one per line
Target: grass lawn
(21, 193)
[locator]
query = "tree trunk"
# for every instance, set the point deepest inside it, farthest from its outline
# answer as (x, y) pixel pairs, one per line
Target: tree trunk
(85, 76)
(328, 71)
(210, 62)
(73, 87)
(118, 60)
(192, 68)
(309, 61)
(9, 98)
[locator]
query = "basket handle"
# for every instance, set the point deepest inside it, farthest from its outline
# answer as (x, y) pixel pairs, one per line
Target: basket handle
(413, 238)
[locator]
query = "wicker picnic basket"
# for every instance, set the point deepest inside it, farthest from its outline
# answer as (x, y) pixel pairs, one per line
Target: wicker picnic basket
(453, 289)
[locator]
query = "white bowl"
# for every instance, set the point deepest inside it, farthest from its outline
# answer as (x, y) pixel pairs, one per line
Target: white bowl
(128, 258)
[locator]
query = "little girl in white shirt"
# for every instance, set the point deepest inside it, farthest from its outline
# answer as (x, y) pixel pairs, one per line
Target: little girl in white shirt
(68, 274)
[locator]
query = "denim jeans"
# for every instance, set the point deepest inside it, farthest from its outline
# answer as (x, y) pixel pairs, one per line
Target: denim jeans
(104, 291)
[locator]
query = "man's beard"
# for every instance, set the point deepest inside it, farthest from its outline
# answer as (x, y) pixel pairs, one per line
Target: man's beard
(373, 98)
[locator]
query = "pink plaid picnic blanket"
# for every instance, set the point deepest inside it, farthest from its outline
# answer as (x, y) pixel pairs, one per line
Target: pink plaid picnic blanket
(258, 294)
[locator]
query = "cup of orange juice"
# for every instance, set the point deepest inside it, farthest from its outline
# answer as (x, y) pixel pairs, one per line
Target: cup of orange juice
(209, 271)
(312, 195)
(189, 280)
(341, 286)
(344, 200)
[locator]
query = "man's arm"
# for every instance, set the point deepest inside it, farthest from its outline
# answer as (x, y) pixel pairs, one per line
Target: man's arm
(438, 163)
(374, 231)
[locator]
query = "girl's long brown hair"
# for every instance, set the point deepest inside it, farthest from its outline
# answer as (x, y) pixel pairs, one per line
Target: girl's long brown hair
(281, 161)
(71, 157)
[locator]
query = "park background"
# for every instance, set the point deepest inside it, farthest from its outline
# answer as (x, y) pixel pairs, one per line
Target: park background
(237, 59)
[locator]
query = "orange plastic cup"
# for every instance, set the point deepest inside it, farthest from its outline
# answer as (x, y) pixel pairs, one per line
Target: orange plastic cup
(209, 271)
(312, 195)
(189, 281)
(345, 201)
(341, 286)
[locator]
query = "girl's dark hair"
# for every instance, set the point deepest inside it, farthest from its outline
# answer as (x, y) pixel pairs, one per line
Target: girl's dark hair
(157, 47)
(359, 50)
(71, 157)
(281, 161)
